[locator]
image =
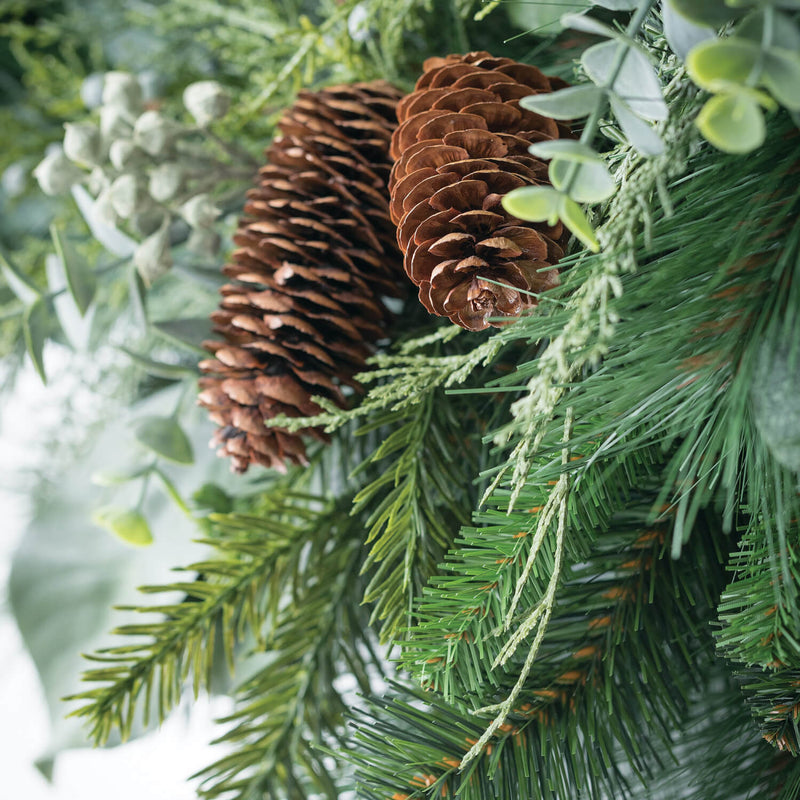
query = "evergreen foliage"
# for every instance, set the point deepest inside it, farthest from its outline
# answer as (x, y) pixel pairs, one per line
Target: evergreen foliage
(576, 535)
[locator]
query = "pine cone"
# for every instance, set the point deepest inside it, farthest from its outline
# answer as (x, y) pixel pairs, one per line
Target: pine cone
(462, 143)
(316, 251)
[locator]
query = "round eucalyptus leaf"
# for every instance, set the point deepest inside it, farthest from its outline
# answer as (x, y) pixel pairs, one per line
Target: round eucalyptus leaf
(589, 181)
(785, 32)
(165, 437)
(683, 34)
(732, 122)
(566, 149)
(542, 18)
(640, 134)
(572, 216)
(715, 64)
(533, 203)
(617, 5)
(128, 525)
(635, 80)
(705, 12)
(781, 75)
(587, 24)
(573, 102)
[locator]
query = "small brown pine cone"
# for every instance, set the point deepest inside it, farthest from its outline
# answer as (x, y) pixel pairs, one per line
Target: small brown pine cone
(461, 144)
(316, 252)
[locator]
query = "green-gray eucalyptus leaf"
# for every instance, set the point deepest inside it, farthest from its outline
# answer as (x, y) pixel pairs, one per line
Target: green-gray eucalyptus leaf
(716, 64)
(81, 281)
(190, 332)
(533, 203)
(683, 34)
(573, 102)
(35, 326)
(640, 134)
(705, 12)
(165, 437)
(19, 283)
(542, 18)
(584, 181)
(636, 82)
(733, 123)
(128, 525)
(571, 214)
(566, 149)
(781, 75)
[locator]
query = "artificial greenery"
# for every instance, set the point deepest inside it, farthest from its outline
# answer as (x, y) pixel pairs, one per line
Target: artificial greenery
(569, 544)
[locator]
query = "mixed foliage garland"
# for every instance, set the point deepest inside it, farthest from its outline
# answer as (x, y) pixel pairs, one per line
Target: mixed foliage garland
(566, 531)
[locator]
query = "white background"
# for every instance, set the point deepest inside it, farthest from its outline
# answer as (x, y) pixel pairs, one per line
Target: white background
(155, 767)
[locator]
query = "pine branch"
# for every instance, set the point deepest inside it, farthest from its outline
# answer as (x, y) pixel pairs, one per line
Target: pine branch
(757, 612)
(465, 615)
(774, 700)
(402, 380)
(414, 506)
(626, 644)
(238, 590)
(292, 705)
(589, 321)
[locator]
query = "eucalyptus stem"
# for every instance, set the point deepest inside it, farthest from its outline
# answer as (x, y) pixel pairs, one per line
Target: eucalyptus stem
(593, 122)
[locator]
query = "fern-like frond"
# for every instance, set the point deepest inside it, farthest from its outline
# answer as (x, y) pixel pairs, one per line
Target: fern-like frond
(296, 703)
(237, 590)
(416, 504)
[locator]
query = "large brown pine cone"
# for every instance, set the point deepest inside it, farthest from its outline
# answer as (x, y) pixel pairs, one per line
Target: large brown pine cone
(316, 251)
(462, 143)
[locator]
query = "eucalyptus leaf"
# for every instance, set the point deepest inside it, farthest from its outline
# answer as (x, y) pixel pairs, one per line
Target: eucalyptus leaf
(705, 12)
(566, 149)
(165, 437)
(571, 214)
(732, 122)
(159, 368)
(81, 281)
(587, 24)
(785, 32)
(781, 75)
(618, 5)
(19, 283)
(715, 64)
(640, 134)
(137, 294)
(683, 34)
(542, 18)
(573, 102)
(77, 327)
(636, 82)
(533, 203)
(129, 525)
(111, 238)
(35, 325)
(111, 477)
(185, 332)
(589, 181)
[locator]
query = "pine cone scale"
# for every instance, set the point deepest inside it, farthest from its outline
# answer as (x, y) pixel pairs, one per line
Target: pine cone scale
(460, 146)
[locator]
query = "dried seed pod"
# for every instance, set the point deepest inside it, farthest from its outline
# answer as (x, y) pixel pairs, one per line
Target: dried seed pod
(461, 144)
(316, 253)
